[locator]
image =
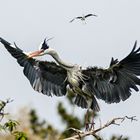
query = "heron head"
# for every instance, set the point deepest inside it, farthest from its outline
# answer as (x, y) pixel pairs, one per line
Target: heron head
(43, 49)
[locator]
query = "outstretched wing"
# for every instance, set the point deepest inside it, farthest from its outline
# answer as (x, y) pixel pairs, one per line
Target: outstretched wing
(89, 15)
(115, 83)
(75, 18)
(45, 77)
(72, 20)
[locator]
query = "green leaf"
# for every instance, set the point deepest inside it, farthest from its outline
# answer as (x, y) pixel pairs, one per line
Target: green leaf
(11, 125)
(20, 135)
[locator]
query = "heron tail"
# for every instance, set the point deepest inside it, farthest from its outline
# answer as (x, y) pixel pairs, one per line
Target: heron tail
(94, 105)
(81, 102)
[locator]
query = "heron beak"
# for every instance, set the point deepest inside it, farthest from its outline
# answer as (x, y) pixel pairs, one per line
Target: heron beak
(35, 54)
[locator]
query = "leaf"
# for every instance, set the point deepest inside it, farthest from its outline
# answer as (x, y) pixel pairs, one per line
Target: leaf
(20, 135)
(11, 125)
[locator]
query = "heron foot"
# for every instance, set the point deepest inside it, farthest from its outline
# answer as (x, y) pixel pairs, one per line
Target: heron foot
(89, 126)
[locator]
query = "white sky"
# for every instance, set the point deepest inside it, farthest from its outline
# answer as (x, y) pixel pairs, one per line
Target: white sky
(112, 33)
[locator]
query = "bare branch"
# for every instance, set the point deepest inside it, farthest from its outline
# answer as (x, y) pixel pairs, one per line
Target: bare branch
(115, 121)
(2, 106)
(132, 118)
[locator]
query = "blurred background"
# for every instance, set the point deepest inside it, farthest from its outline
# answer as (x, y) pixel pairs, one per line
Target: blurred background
(112, 33)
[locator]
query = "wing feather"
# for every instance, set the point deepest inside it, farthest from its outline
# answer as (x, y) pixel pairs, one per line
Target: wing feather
(90, 15)
(45, 77)
(115, 83)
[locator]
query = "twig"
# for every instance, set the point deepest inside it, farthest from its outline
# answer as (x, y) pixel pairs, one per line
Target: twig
(83, 134)
(132, 118)
(2, 106)
(78, 132)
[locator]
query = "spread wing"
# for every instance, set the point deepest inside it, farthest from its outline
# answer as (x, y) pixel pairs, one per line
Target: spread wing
(75, 18)
(115, 83)
(72, 20)
(90, 15)
(45, 77)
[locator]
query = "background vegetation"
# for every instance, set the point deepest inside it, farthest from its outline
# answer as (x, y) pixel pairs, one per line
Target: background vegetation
(28, 125)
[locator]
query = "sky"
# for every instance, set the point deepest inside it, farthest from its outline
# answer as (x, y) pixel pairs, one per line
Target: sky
(112, 33)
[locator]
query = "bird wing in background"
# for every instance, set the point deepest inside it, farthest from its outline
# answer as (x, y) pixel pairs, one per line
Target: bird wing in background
(45, 77)
(90, 15)
(115, 83)
(75, 18)
(72, 20)
(79, 17)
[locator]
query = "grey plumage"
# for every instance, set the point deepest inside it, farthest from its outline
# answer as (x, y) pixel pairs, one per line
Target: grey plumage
(45, 77)
(115, 83)
(111, 85)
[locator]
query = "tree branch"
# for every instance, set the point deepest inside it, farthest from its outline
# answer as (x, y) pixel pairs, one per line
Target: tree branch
(2, 106)
(81, 134)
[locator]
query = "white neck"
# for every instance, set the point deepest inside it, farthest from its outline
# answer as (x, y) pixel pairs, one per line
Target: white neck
(55, 55)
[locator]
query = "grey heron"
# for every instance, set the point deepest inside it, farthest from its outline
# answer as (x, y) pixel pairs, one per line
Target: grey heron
(112, 85)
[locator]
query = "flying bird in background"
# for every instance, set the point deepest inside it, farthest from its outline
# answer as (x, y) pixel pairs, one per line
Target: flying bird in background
(83, 18)
(112, 85)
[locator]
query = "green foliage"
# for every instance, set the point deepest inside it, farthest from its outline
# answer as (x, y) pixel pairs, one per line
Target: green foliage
(1, 127)
(40, 128)
(10, 125)
(44, 131)
(20, 135)
(69, 119)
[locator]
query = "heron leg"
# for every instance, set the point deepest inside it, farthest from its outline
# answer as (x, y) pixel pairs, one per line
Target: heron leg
(87, 120)
(89, 124)
(92, 123)
(89, 116)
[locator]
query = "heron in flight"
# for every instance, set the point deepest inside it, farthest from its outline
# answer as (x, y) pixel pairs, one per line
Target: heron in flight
(112, 85)
(83, 18)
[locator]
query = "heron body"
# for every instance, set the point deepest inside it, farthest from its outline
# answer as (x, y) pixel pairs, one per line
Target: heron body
(74, 78)
(112, 85)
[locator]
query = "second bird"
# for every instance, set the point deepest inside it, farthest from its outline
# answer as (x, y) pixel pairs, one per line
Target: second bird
(83, 18)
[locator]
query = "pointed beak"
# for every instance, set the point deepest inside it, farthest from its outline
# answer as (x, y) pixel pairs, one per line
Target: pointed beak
(35, 54)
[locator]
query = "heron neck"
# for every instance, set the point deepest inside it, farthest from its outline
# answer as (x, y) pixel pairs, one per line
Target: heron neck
(61, 62)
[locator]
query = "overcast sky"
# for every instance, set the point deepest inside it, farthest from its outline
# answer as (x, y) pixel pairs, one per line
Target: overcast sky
(112, 33)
